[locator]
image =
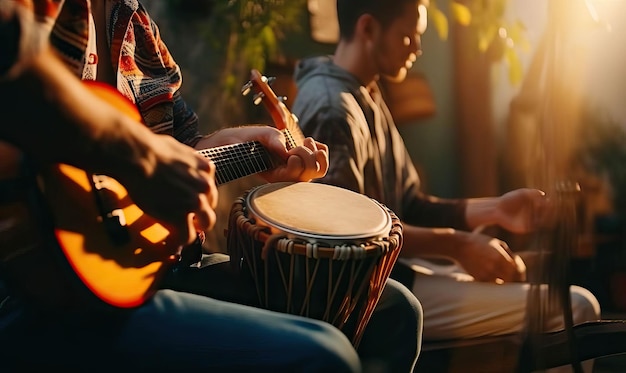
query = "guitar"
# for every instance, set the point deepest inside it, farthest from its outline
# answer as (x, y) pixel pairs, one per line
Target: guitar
(116, 251)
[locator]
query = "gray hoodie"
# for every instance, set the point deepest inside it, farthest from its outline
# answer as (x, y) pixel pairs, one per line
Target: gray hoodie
(367, 153)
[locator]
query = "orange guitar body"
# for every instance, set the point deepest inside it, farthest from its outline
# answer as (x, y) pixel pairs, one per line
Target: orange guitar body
(120, 274)
(114, 252)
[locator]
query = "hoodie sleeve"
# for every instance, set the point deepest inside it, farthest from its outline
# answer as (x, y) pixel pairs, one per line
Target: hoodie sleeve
(346, 165)
(429, 211)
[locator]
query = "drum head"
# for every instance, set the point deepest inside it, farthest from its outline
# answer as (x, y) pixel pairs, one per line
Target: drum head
(314, 211)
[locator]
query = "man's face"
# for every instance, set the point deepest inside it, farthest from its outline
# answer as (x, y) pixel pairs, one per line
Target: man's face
(399, 45)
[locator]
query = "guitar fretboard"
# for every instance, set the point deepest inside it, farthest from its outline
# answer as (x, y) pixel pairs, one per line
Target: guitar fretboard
(238, 160)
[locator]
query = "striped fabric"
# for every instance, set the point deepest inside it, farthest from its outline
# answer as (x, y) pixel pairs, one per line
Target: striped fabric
(146, 72)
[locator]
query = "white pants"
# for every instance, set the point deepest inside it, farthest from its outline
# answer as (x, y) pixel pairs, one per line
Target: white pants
(455, 306)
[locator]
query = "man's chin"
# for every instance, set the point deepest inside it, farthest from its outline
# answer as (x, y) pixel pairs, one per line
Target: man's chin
(398, 77)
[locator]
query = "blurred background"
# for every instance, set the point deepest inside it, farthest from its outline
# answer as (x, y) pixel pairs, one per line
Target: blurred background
(508, 93)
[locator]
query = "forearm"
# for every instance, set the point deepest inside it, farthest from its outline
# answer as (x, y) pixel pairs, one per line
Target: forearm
(483, 257)
(72, 125)
(481, 212)
(429, 211)
(431, 242)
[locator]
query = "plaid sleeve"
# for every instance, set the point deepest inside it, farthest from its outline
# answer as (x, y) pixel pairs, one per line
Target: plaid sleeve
(185, 123)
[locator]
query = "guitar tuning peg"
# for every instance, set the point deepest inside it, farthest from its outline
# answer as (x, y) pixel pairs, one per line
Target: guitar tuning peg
(245, 89)
(258, 98)
(271, 80)
(282, 98)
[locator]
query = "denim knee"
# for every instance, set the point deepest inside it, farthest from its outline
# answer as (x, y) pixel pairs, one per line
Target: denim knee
(328, 349)
(585, 306)
(393, 336)
(406, 312)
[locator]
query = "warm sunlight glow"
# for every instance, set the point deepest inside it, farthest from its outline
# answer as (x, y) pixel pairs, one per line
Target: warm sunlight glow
(592, 11)
(595, 12)
(575, 66)
(155, 233)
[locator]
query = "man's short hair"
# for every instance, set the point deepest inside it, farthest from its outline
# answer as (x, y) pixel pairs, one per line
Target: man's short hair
(385, 11)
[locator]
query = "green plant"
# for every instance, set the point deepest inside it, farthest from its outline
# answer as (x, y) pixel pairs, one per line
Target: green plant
(492, 32)
(252, 30)
(238, 35)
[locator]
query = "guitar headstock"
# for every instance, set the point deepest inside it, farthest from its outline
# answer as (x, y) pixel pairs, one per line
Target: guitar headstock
(283, 119)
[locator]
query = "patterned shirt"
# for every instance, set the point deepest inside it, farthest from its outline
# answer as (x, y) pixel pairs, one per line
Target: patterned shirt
(146, 72)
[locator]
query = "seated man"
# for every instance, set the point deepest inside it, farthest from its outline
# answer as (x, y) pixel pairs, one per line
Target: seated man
(339, 103)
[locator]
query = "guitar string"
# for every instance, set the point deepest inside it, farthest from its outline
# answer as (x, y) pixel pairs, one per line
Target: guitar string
(233, 161)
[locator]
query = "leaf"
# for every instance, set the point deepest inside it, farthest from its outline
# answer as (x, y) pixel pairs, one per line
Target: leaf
(439, 20)
(270, 41)
(461, 13)
(486, 36)
(515, 65)
(517, 32)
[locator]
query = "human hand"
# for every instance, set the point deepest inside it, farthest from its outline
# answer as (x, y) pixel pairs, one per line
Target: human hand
(302, 163)
(176, 186)
(522, 210)
(489, 259)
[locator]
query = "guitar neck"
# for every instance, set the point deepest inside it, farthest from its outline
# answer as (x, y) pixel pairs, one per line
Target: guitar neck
(238, 160)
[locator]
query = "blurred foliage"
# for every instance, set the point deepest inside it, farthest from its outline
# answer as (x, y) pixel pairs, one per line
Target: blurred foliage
(246, 32)
(602, 151)
(492, 32)
(249, 33)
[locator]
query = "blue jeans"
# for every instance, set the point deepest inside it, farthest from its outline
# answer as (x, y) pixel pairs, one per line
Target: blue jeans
(177, 330)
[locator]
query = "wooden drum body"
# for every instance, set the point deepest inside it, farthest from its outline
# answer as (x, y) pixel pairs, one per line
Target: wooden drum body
(315, 250)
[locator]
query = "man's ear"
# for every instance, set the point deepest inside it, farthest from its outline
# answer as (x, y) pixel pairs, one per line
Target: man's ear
(367, 27)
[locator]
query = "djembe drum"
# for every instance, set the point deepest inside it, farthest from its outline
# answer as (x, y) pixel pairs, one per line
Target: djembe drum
(315, 250)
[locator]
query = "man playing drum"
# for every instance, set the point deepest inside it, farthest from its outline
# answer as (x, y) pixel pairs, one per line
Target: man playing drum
(339, 103)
